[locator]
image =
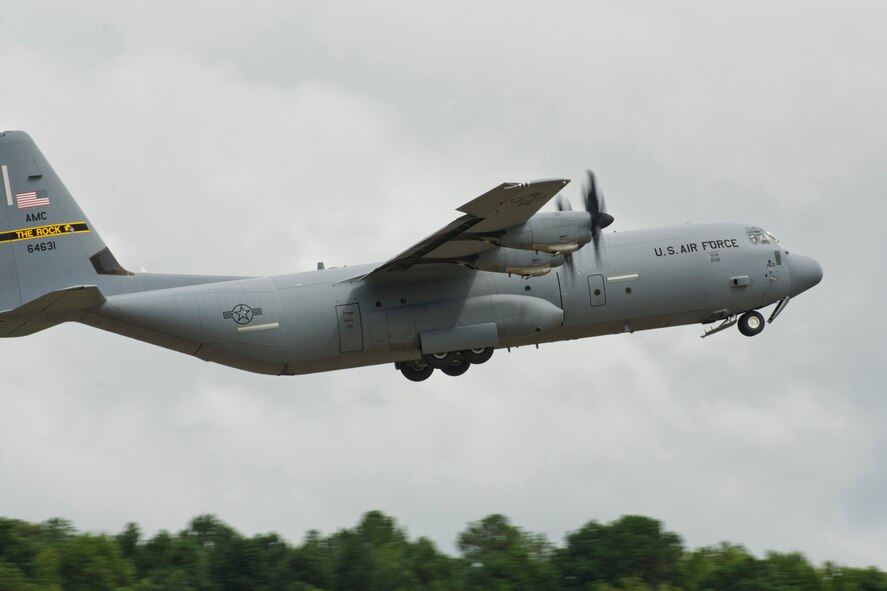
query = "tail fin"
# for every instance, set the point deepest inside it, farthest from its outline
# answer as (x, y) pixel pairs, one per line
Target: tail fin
(46, 242)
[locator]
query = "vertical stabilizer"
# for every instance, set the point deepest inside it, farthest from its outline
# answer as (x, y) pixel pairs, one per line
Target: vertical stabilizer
(46, 241)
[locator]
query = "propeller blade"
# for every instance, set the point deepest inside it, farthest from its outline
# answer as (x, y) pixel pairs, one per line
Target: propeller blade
(594, 204)
(563, 204)
(592, 195)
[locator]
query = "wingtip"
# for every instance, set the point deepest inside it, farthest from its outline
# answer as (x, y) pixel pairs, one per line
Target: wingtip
(562, 182)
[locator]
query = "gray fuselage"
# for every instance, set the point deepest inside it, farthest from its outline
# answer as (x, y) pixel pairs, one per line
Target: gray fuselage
(337, 318)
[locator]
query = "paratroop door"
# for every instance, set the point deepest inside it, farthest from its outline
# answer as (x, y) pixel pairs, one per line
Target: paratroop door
(350, 329)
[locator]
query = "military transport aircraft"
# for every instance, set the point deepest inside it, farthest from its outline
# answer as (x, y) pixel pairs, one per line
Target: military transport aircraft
(500, 275)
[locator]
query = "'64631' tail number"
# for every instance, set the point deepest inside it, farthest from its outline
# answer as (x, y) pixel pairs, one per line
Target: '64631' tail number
(42, 246)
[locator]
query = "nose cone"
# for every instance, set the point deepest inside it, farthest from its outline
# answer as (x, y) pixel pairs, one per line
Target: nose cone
(804, 273)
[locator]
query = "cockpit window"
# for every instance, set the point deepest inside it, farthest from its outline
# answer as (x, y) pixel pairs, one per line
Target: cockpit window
(758, 236)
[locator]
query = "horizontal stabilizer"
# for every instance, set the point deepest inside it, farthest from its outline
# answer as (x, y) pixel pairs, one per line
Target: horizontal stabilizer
(50, 309)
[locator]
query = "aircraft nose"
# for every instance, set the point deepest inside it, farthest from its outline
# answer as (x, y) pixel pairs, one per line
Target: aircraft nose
(805, 272)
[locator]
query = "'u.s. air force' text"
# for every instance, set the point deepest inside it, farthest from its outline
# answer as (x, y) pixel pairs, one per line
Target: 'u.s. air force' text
(704, 246)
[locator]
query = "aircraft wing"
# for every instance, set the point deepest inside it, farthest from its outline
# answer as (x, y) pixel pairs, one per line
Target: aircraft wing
(506, 206)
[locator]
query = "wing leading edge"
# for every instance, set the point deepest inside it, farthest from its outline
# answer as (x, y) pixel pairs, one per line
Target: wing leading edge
(497, 210)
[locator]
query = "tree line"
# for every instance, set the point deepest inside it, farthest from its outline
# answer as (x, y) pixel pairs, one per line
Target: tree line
(633, 553)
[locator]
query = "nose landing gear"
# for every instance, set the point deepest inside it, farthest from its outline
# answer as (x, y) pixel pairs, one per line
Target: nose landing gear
(751, 323)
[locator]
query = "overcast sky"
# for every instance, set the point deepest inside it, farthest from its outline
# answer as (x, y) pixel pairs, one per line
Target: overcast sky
(261, 137)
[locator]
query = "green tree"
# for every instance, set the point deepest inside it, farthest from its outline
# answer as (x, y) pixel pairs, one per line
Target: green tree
(630, 548)
(275, 570)
(47, 571)
(842, 578)
(172, 562)
(215, 550)
(12, 578)
(584, 559)
(312, 563)
(93, 563)
(433, 570)
(791, 571)
(726, 568)
(31, 552)
(56, 531)
(19, 543)
(228, 561)
(128, 540)
(501, 557)
(632, 553)
(372, 557)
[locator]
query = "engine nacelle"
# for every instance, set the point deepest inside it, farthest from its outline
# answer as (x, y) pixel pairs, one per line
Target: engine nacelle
(559, 232)
(520, 262)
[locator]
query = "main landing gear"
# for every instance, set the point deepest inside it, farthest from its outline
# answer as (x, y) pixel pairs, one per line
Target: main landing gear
(452, 363)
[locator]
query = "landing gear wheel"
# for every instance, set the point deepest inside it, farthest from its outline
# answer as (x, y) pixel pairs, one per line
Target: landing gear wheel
(417, 373)
(439, 360)
(477, 356)
(751, 323)
(456, 368)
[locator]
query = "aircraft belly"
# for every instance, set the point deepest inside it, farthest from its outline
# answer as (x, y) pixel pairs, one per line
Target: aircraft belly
(393, 317)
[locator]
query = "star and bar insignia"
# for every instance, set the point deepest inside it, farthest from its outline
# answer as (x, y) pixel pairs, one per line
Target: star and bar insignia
(242, 314)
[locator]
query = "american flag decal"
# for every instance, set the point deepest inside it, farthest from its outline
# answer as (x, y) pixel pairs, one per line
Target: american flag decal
(31, 199)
